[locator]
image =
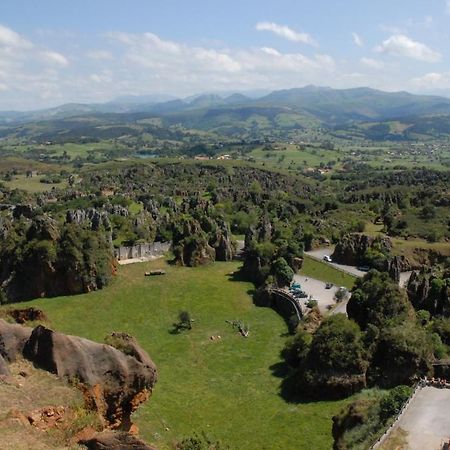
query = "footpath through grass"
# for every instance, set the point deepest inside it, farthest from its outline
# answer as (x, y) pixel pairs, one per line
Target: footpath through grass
(325, 272)
(225, 387)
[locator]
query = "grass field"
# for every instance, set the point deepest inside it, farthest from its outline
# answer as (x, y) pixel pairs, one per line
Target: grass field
(324, 272)
(31, 184)
(228, 387)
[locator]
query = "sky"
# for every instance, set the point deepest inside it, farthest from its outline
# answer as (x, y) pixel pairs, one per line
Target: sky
(85, 51)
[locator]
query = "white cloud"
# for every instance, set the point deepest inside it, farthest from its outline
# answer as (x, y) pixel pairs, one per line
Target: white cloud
(401, 45)
(432, 80)
(54, 58)
(357, 40)
(10, 39)
(105, 76)
(372, 63)
(285, 32)
(182, 69)
(100, 55)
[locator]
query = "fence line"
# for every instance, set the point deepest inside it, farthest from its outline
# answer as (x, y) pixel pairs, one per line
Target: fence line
(380, 440)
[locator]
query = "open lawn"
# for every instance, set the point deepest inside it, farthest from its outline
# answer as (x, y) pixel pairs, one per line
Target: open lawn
(31, 184)
(228, 387)
(325, 272)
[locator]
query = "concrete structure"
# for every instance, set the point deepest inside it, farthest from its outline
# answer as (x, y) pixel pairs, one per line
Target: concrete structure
(425, 421)
(142, 251)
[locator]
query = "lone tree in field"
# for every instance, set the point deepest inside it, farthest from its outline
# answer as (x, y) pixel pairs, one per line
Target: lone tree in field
(184, 321)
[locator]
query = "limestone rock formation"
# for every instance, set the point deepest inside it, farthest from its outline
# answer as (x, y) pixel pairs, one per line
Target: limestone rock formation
(12, 340)
(222, 243)
(352, 248)
(430, 290)
(42, 258)
(91, 216)
(115, 380)
(190, 245)
(395, 265)
(4, 371)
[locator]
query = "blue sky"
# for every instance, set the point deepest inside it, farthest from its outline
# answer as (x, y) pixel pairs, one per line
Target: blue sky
(58, 51)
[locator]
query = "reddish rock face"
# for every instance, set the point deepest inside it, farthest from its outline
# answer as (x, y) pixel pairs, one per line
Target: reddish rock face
(115, 381)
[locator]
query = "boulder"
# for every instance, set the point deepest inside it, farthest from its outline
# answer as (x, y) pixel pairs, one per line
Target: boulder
(115, 381)
(4, 370)
(110, 440)
(12, 340)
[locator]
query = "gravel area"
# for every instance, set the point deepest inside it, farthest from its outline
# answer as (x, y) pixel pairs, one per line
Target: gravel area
(427, 419)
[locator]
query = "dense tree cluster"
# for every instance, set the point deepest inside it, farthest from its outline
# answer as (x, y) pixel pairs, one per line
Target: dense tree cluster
(382, 343)
(41, 257)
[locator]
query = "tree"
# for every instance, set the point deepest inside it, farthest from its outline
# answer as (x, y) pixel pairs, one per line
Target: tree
(297, 348)
(393, 402)
(282, 272)
(403, 352)
(428, 212)
(377, 299)
(184, 321)
(335, 363)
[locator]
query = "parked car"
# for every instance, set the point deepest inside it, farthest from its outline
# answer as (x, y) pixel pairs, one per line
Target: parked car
(327, 258)
(329, 285)
(300, 294)
(363, 268)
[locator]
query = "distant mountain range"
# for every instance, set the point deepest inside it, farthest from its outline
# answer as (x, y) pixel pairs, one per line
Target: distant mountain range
(310, 106)
(327, 104)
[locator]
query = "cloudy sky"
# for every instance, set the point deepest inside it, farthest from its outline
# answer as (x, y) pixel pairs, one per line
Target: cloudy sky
(58, 51)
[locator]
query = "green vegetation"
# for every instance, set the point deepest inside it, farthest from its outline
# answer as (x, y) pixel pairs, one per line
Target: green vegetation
(364, 420)
(203, 385)
(326, 273)
(331, 364)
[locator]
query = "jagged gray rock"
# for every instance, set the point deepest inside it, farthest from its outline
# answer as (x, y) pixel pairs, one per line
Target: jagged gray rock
(352, 248)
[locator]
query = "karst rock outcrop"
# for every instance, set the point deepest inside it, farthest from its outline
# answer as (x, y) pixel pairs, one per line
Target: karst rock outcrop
(114, 379)
(352, 248)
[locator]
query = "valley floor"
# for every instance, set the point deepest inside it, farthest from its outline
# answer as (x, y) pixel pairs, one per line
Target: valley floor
(229, 388)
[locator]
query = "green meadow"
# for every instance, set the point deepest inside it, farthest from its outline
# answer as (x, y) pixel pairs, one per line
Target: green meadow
(228, 388)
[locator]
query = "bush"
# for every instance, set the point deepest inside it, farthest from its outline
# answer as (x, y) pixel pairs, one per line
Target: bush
(282, 272)
(184, 321)
(392, 403)
(200, 442)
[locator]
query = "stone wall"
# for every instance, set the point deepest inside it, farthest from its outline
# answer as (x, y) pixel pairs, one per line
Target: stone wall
(142, 251)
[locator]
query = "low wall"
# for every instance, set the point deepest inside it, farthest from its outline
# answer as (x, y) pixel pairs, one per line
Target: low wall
(142, 251)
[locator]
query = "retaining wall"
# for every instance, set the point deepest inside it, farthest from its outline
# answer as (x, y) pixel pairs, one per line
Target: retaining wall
(142, 251)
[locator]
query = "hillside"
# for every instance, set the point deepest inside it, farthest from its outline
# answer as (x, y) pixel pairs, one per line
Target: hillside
(308, 107)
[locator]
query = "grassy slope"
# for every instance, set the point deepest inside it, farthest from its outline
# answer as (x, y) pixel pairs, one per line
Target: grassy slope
(31, 184)
(226, 387)
(324, 272)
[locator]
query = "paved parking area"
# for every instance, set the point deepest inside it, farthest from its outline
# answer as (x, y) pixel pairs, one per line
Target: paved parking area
(316, 288)
(427, 420)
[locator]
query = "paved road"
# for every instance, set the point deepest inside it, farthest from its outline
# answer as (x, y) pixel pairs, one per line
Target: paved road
(426, 419)
(321, 252)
